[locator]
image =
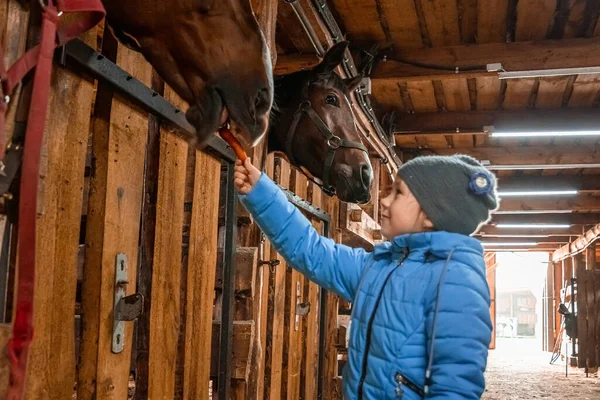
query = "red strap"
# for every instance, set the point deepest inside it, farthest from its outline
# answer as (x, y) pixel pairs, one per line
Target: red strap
(92, 12)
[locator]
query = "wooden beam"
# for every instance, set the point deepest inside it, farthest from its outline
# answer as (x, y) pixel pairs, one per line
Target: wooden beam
(51, 371)
(590, 257)
(243, 336)
(531, 156)
(583, 183)
(290, 63)
(545, 240)
(113, 226)
(514, 56)
(201, 271)
(244, 273)
(581, 203)
(492, 231)
(474, 121)
(548, 218)
(577, 246)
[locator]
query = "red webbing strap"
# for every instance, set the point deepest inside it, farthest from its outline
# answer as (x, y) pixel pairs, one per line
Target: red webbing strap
(40, 56)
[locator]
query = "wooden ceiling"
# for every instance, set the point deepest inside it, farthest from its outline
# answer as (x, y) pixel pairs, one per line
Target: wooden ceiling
(434, 109)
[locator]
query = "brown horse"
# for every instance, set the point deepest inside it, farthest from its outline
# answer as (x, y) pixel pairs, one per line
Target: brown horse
(211, 52)
(313, 125)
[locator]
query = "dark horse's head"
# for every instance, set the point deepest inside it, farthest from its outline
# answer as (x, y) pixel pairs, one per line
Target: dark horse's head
(211, 52)
(314, 126)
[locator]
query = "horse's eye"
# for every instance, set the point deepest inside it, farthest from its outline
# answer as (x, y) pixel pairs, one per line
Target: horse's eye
(331, 99)
(206, 6)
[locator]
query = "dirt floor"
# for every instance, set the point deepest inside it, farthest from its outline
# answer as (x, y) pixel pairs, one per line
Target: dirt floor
(518, 370)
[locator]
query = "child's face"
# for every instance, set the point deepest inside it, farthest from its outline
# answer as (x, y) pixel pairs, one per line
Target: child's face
(401, 213)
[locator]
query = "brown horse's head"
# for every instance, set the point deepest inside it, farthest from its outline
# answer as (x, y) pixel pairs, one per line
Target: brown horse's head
(304, 98)
(211, 52)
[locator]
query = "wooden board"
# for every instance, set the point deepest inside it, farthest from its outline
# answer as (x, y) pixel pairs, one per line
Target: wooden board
(491, 280)
(422, 96)
(582, 203)
(202, 259)
(277, 295)
(456, 95)
(113, 226)
(401, 24)
(387, 95)
(51, 371)
(361, 20)
(582, 316)
(491, 21)
(441, 18)
(585, 91)
(534, 19)
(166, 273)
(576, 17)
(488, 93)
(312, 327)
(550, 93)
(294, 280)
(518, 92)
(242, 338)
(467, 17)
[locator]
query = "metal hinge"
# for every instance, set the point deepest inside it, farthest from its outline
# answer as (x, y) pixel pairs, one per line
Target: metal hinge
(302, 309)
(126, 308)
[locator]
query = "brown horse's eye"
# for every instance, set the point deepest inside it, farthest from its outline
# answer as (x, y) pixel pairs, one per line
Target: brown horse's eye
(206, 6)
(332, 100)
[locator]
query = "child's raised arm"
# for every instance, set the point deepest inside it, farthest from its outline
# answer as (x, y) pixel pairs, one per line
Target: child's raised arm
(333, 266)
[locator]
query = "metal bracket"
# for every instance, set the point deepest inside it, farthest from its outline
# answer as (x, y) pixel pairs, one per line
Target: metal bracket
(302, 309)
(126, 308)
(271, 263)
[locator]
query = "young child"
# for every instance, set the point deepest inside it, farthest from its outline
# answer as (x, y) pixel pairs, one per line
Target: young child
(420, 316)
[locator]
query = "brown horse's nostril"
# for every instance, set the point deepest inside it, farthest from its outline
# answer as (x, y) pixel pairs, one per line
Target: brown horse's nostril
(262, 101)
(366, 175)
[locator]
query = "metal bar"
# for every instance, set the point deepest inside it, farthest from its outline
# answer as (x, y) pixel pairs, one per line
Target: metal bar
(322, 333)
(306, 206)
(105, 70)
(226, 334)
(312, 35)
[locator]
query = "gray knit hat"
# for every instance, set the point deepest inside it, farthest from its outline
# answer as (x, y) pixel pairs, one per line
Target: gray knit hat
(456, 192)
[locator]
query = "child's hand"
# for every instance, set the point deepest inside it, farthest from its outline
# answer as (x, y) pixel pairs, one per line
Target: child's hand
(245, 176)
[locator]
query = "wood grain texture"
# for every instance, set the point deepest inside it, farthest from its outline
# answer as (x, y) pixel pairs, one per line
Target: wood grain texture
(534, 19)
(166, 273)
(202, 260)
(441, 17)
(491, 21)
(113, 225)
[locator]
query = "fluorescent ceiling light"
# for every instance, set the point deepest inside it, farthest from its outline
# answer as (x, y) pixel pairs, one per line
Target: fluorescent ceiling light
(540, 193)
(549, 72)
(544, 133)
(493, 244)
(533, 226)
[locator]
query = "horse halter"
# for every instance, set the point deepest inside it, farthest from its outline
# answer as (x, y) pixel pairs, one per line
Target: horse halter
(333, 142)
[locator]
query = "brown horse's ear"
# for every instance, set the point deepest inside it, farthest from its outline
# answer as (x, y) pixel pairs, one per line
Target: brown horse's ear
(333, 58)
(353, 83)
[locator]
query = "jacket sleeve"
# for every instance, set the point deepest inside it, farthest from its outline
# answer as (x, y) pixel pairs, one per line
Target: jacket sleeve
(335, 267)
(463, 334)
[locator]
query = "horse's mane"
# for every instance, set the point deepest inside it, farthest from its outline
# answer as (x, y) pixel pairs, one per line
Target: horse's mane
(288, 87)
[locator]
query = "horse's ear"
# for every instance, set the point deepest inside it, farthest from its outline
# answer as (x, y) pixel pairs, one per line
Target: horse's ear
(332, 58)
(353, 83)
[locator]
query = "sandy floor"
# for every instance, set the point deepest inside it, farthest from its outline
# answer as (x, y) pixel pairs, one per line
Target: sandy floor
(518, 370)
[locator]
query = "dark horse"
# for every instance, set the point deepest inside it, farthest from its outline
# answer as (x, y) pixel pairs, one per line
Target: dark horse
(313, 125)
(211, 52)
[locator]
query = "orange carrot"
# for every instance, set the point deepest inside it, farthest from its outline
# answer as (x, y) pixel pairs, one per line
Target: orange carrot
(233, 143)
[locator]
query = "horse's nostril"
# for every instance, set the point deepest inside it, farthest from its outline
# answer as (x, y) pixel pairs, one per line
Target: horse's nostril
(261, 101)
(365, 172)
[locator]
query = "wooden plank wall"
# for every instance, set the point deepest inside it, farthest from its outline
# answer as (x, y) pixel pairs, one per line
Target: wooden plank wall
(588, 308)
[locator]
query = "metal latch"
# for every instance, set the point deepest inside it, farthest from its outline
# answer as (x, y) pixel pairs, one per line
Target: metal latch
(126, 308)
(271, 263)
(302, 309)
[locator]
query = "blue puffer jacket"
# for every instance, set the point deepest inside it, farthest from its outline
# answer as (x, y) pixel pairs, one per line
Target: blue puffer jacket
(395, 313)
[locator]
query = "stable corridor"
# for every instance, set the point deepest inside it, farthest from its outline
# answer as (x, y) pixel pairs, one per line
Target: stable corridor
(518, 370)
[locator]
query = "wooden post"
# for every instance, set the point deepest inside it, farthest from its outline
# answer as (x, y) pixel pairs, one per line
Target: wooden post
(558, 284)
(590, 257)
(491, 279)
(166, 274)
(113, 227)
(582, 315)
(51, 370)
(312, 327)
(550, 313)
(276, 318)
(202, 260)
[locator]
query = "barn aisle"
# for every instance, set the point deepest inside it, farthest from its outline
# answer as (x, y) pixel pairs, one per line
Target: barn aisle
(518, 370)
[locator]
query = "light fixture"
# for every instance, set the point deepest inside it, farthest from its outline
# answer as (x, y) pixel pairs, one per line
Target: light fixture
(533, 226)
(539, 193)
(494, 244)
(538, 73)
(544, 133)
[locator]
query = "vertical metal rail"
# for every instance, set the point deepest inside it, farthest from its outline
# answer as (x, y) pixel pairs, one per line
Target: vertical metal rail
(226, 334)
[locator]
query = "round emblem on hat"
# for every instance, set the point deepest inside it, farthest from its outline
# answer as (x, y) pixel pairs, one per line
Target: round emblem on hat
(480, 183)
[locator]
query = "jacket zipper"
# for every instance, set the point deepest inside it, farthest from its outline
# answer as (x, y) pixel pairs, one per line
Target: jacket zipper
(369, 329)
